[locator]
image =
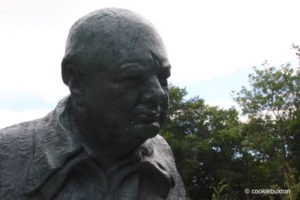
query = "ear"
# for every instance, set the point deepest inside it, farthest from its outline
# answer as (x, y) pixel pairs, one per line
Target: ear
(65, 70)
(75, 81)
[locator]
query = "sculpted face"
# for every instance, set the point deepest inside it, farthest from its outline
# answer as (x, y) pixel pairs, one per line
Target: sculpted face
(129, 96)
(125, 84)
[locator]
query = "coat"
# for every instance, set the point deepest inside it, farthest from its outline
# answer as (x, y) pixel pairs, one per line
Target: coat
(44, 160)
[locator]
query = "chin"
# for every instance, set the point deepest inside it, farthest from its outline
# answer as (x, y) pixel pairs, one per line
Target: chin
(145, 130)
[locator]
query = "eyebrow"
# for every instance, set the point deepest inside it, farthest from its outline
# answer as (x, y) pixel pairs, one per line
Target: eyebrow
(162, 63)
(134, 69)
(131, 68)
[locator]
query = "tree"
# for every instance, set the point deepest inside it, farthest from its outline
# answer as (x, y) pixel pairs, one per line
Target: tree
(214, 150)
(272, 105)
(204, 142)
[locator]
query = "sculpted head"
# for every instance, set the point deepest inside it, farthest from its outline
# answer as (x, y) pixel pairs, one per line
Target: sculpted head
(116, 68)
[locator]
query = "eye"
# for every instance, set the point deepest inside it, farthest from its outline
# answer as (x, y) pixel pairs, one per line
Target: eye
(130, 80)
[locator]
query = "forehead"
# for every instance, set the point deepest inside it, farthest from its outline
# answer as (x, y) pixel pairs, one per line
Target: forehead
(147, 52)
(113, 40)
(143, 57)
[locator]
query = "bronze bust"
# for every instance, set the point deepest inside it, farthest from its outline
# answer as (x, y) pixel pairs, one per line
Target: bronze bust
(102, 141)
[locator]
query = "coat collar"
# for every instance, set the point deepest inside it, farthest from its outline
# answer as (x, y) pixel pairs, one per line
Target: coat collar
(53, 144)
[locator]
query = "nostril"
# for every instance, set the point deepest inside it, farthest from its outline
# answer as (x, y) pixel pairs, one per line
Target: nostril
(152, 97)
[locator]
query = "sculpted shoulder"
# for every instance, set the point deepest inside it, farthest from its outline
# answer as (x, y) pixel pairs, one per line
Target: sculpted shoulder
(15, 152)
(19, 142)
(16, 137)
(12, 138)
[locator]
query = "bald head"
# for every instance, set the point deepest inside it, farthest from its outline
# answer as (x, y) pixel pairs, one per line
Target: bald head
(116, 68)
(107, 37)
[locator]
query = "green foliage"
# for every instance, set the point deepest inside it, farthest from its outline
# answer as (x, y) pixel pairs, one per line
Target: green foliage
(211, 145)
(274, 94)
(292, 183)
(203, 138)
(219, 191)
(272, 105)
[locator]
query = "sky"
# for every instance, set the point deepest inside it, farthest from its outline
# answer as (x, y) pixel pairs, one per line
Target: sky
(212, 46)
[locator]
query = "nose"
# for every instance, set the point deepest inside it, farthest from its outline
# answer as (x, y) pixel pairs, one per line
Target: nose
(152, 91)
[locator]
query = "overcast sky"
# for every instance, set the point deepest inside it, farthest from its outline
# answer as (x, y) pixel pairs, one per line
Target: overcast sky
(212, 46)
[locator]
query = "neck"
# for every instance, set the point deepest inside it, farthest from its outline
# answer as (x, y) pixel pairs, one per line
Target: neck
(107, 150)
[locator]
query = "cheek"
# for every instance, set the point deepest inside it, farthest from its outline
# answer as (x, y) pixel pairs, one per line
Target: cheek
(129, 100)
(120, 106)
(121, 101)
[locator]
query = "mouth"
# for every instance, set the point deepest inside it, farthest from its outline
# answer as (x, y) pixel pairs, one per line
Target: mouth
(145, 123)
(145, 118)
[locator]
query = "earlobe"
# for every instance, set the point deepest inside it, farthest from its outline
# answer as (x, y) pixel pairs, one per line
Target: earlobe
(76, 88)
(65, 71)
(75, 85)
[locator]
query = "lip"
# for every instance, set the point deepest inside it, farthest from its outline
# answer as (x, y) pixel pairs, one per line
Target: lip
(144, 116)
(145, 112)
